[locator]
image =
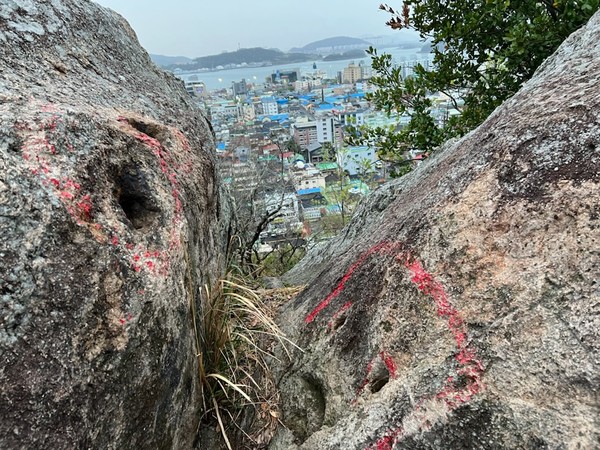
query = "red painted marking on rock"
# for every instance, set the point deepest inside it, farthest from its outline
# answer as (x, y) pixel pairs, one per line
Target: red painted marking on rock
(387, 359)
(42, 157)
(384, 247)
(389, 363)
(469, 366)
(85, 207)
(149, 141)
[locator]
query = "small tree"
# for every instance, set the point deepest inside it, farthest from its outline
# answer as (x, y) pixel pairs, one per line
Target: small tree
(250, 185)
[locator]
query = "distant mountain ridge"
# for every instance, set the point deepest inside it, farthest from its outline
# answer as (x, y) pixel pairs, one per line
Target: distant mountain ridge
(243, 57)
(335, 44)
(331, 49)
(163, 60)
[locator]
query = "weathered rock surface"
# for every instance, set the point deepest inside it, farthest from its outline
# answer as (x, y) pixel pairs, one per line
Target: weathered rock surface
(110, 221)
(461, 308)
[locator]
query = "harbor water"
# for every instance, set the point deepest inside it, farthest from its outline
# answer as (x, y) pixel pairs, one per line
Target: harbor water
(220, 79)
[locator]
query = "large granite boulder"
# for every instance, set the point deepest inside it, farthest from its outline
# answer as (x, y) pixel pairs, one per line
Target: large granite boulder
(110, 222)
(460, 309)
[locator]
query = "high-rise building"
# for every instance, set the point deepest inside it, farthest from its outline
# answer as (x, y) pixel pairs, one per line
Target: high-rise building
(196, 88)
(352, 73)
(269, 105)
(325, 129)
(239, 87)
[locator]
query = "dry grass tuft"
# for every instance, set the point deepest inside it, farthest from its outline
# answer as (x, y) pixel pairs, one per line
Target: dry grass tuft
(235, 338)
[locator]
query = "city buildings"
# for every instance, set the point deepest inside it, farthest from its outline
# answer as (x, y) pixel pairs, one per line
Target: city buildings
(280, 145)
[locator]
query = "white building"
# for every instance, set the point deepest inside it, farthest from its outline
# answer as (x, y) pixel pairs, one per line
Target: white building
(222, 109)
(309, 179)
(325, 129)
(354, 159)
(354, 118)
(196, 88)
(288, 217)
(269, 105)
(248, 111)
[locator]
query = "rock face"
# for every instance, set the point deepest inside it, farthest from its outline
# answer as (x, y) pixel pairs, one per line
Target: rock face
(461, 309)
(110, 222)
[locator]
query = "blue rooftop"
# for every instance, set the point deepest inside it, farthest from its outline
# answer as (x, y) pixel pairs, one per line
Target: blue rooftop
(275, 117)
(334, 98)
(325, 106)
(316, 190)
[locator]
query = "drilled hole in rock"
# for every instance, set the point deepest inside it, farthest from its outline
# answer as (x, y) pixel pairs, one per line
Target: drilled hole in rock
(378, 384)
(380, 376)
(338, 321)
(135, 198)
(151, 129)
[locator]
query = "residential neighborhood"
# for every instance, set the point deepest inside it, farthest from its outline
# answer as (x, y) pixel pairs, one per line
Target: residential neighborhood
(281, 148)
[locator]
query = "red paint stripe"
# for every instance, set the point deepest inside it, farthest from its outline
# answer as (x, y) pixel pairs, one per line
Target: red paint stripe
(384, 247)
(469, 365)
(389, 363)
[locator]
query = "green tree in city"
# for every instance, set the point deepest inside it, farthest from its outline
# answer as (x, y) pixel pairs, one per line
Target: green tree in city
(293, 146)
(483, 51)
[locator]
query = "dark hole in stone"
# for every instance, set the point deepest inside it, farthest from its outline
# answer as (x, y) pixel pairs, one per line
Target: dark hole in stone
(380, 376)
(379, 383)
(61, 68)
(135, 198)
(14, 145)
(338, 321)
(150, 129)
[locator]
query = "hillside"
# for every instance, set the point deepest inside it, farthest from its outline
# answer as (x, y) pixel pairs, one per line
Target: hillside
(164, 61)
(346, 55)
(333, 44)
(245, 56)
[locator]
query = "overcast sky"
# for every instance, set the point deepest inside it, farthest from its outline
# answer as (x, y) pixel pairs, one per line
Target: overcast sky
(197, 28)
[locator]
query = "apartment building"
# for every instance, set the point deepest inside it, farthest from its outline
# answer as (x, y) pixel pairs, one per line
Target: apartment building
(355, 118)
(196, 88)
(324, 129)
(269, 106)
(352, 73)
(305, 133)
